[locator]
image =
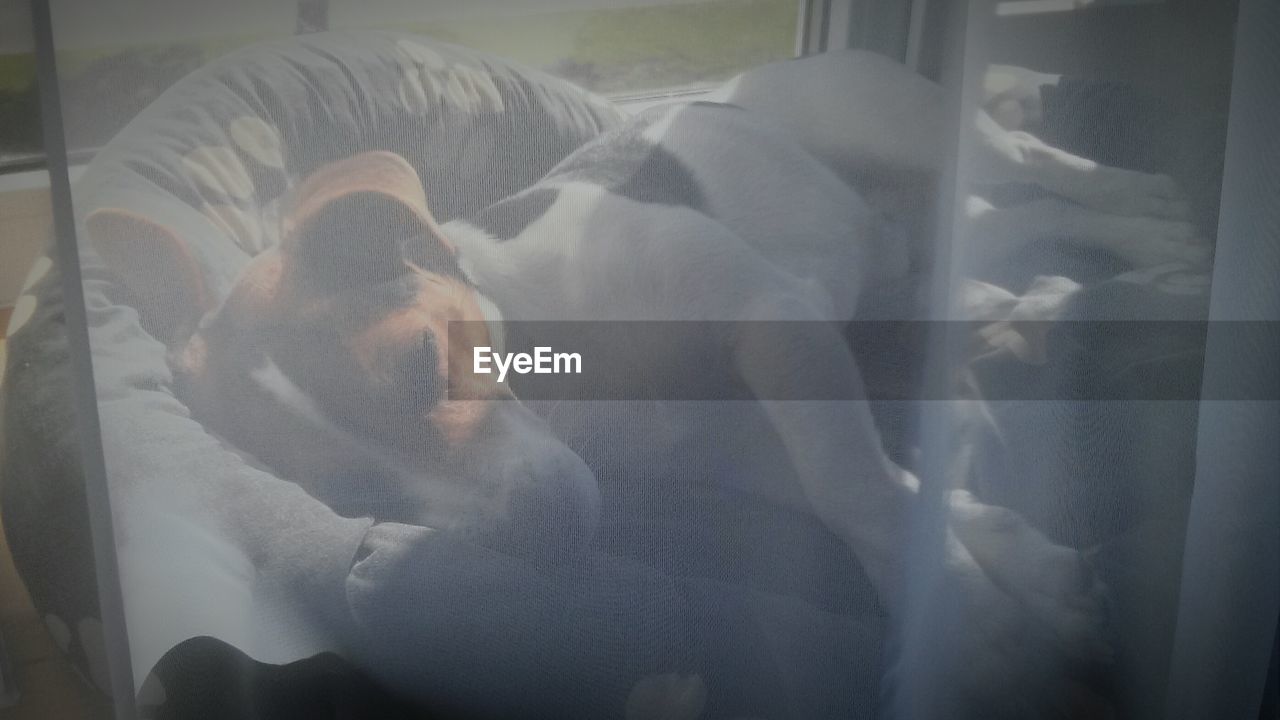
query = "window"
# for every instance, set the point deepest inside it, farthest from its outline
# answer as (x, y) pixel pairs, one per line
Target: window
(620, 49)
(19, 104)
(1035, 7)
(625, 49)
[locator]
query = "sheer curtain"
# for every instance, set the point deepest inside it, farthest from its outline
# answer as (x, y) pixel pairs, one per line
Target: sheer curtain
(1122, 404)
(1230, 578)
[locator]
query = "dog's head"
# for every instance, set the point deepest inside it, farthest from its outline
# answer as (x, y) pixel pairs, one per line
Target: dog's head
(338, 341)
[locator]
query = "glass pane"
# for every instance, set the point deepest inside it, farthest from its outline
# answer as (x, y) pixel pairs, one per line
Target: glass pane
(617, 48)
(806, 447)
(621, 47)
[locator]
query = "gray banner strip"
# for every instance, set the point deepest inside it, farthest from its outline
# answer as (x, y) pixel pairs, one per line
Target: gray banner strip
(1050, 361)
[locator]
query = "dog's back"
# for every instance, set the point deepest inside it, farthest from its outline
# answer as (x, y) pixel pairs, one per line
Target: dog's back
(706, 163)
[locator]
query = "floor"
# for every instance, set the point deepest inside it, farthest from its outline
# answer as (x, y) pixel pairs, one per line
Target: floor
(49, 687)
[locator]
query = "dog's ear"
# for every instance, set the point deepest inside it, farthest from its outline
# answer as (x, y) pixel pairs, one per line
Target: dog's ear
(348, 222)
(157, 267)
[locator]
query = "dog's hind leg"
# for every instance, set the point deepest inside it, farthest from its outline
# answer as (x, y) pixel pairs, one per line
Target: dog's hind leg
(1022, 605)
(994, 234)
(1000, 156)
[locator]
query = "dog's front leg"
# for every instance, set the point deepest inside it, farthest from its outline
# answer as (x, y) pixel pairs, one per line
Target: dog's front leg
(798, 365)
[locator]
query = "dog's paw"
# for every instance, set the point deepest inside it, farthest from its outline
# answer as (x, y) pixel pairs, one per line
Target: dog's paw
(1142, 195)
(1132, 194)
(1055, 584)
(1153, 196)
(1023, 621)
(1149, 242)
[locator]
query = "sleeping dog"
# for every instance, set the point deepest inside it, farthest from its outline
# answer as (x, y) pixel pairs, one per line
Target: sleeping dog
(800, 193)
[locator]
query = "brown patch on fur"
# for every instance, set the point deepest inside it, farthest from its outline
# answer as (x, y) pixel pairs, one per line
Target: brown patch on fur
(157, 266)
